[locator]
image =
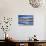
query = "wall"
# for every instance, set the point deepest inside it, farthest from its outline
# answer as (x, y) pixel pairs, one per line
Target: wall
(13, 8)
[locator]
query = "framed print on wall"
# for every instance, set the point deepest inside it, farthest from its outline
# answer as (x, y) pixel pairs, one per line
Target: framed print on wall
(25, 19)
